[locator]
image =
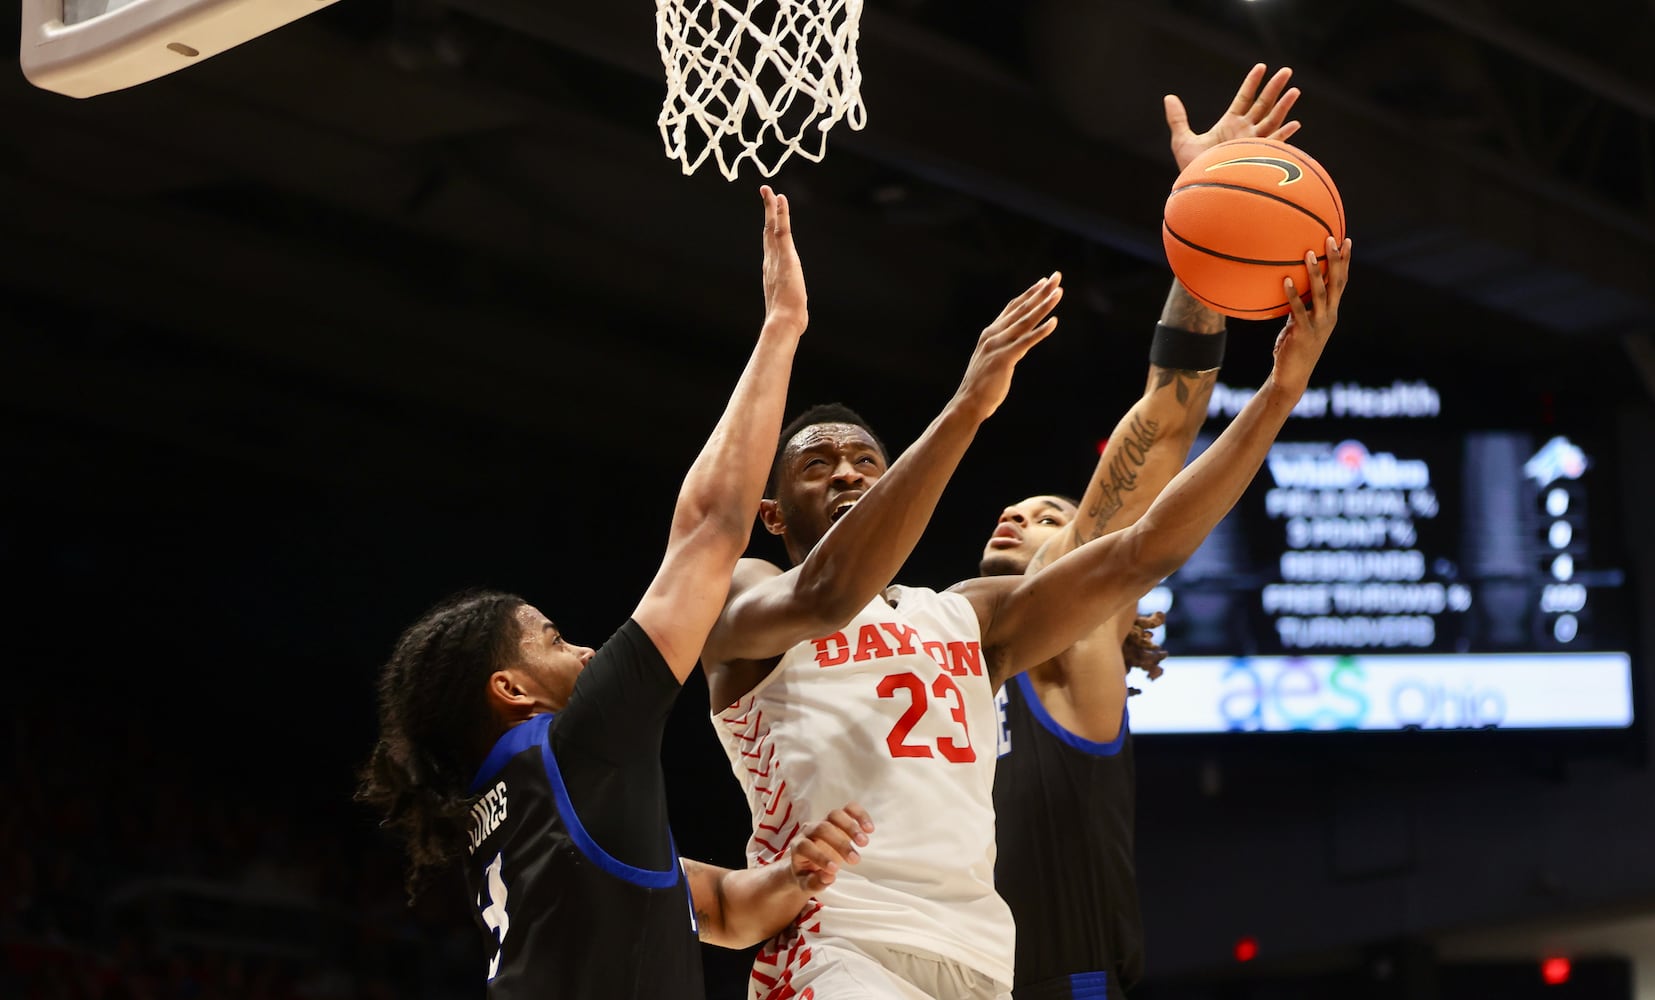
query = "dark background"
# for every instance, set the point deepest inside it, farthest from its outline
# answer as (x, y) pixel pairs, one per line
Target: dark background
(404, 297)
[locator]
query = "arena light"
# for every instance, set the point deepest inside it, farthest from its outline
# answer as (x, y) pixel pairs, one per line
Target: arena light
(1246, 949)
(1555, 970)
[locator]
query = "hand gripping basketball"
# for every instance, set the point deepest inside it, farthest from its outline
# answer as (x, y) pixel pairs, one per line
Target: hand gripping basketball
(1300, 343)
(1245, 203)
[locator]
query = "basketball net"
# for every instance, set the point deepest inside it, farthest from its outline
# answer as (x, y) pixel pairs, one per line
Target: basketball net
(738, 89)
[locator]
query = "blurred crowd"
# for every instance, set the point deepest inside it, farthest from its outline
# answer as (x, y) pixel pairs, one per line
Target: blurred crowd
(137, 868)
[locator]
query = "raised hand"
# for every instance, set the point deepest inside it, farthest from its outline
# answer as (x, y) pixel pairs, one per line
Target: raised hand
(784, 276)
(1300, 343)
(1252, 113)
(818, 852)
(1023, 323)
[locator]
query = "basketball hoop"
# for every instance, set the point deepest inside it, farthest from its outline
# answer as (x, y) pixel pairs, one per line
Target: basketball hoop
(738, 89)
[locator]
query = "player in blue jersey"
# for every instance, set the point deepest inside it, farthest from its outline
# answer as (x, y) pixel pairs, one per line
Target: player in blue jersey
(536, 761)
(1064, 792)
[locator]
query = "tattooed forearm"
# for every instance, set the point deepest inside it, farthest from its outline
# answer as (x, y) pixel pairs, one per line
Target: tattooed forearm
(709, 914)
(1121, 476)
(1187, 385)
(1185, 312)
(723, 904)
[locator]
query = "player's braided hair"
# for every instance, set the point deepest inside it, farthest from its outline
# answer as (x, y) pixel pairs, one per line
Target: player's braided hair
(434, 723)
(1139, 648)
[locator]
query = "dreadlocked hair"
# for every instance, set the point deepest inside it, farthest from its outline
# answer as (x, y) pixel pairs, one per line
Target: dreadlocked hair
(821, 413)
(434, 723)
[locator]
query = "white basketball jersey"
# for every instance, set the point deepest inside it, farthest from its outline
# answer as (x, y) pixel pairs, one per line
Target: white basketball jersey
(893, 711)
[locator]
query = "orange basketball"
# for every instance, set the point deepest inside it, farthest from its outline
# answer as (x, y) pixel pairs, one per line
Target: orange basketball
(1240, 219)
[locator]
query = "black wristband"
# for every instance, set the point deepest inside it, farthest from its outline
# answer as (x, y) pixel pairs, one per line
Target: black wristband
(1186, 351)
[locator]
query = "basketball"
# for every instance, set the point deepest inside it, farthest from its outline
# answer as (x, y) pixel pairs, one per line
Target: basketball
(1239, 220)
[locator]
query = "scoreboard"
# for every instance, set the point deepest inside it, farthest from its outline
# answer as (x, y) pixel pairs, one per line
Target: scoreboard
(1390, 570)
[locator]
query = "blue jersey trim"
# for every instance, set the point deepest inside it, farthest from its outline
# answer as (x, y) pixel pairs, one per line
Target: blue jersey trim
(647, 878)
(1082, 744)
(1089, 985)
(513, 742)
(537, 731)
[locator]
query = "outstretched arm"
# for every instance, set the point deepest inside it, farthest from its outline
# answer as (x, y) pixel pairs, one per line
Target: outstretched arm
(1027, 620)
(716, 505)
(769, 611)
(738, 909)
(1150, 443)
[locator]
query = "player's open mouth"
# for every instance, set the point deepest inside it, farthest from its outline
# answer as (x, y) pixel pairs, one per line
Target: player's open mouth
(843, 509)
(1005, 537)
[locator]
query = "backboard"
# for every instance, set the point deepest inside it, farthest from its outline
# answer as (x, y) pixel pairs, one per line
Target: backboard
(82, 48)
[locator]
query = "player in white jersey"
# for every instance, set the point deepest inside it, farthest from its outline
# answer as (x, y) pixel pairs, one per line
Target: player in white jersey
(794, 743)
(822, 679)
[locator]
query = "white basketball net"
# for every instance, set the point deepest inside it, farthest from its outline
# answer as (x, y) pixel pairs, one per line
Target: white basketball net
(738, 89)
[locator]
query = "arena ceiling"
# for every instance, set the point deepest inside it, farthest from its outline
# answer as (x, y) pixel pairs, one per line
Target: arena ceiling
(393, 230)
